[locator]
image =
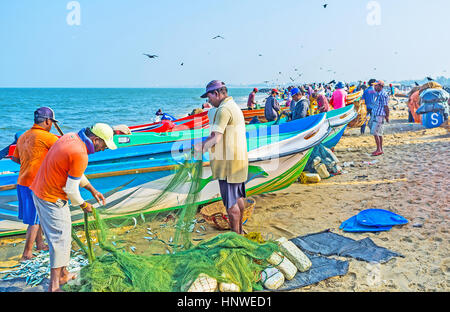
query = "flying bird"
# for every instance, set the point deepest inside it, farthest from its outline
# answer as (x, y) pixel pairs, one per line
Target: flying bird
(292, 79)
(150, 55)
(416, 83)
(430, 79)
(259, 54)
(218, 36)
(182, 64)
(325, 5)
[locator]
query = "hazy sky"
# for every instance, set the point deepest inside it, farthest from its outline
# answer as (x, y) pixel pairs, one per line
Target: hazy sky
(357, 39)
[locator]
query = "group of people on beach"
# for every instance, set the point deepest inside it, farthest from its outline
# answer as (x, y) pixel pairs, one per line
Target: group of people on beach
(52, 168)
(310, 99)
(52, 172)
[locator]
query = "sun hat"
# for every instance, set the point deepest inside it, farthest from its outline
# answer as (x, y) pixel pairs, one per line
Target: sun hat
(340, 85)
(213, 85)
(294, 91)
(45, 112)
(106, 133)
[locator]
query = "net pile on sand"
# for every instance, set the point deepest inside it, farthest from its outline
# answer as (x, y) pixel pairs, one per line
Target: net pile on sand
(173, 264)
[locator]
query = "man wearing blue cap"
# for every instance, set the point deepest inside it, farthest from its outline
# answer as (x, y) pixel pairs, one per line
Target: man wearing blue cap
(30, 151)
(272, 108)
(227, 146)
(299, 105)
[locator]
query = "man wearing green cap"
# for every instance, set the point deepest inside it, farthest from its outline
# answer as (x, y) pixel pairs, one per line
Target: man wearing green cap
(57, 181)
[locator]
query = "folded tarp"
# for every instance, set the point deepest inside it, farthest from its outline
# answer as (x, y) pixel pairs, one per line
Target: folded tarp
(434, 96)
(321, 268)
(327, 243)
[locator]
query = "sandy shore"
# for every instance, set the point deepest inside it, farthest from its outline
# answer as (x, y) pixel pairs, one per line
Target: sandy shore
(410, 179)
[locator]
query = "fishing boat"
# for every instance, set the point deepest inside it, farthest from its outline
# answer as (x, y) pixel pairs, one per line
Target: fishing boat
(339, 120)
(129, 186)
(196, 121)
(355, 96)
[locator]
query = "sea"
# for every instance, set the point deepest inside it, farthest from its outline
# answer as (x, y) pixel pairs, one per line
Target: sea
(76, 108)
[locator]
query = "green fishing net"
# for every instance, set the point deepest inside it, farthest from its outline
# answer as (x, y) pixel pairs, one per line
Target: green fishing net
(168, 251)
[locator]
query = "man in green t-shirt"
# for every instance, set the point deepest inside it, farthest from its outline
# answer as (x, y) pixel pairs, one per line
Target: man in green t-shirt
(227, 146)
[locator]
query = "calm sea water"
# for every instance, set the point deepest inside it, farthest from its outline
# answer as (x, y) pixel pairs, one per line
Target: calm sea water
(78, 108)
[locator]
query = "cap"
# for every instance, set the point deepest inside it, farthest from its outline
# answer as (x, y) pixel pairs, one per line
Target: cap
(379, 82)
(294, 91)
(45, 112)
(340, 85)
(213, 85)
(275, 90)
(255, 89)
(106, 133)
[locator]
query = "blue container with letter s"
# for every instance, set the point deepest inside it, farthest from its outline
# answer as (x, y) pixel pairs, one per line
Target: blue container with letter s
(432, 119)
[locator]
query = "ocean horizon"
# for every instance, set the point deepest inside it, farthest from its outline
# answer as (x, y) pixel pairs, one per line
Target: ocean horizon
(76, 108)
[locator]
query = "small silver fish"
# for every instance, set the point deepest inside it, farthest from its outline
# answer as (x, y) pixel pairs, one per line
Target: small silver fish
(133, 249)
(149, 238)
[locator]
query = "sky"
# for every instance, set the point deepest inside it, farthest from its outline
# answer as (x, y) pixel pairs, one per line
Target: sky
(100, 43)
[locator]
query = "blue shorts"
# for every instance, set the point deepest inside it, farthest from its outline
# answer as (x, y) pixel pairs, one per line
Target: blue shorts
(231, 192)
(27, 210)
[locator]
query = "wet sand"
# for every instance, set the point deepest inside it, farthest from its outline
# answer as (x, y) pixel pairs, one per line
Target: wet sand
(410, 179)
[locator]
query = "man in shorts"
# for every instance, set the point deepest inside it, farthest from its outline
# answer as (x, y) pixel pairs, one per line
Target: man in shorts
(58, 181)
(380, 113)
(30, 151)
(227, 146)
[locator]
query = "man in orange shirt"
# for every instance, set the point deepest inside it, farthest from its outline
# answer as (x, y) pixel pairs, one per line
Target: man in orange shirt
(58, 181)
(31, 148)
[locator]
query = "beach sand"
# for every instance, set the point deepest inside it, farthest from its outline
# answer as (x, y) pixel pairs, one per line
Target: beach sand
(410, 179)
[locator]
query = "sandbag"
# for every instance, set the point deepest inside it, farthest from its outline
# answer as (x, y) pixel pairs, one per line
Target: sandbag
(430, 85)
(434, 96)
(432, 108)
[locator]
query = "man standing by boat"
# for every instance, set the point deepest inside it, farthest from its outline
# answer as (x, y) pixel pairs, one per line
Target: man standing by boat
(339, 97)
(272, 108)
(30, 151)
(227, 146)
(299, 105)
(322, 102)
(56, 182)
(251, 103)
(368, 97)
(380, 113)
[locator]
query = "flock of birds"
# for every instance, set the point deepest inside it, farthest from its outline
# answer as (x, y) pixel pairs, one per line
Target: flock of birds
(152, 56)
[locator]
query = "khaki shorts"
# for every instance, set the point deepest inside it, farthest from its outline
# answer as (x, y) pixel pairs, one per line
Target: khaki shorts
(376, 124)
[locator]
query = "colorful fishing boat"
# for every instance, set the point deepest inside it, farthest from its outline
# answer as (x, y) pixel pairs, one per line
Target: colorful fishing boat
(339, 120)
(129, 186)
(355, 96)
(196, 121)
